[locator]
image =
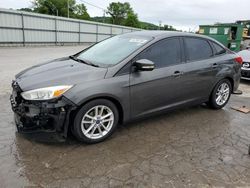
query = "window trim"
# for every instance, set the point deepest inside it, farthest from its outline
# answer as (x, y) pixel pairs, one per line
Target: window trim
(182, 59)
(214, 50)
(122, 72)
(186, 53)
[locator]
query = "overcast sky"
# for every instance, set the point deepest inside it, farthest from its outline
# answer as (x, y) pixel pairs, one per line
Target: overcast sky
(182, 14)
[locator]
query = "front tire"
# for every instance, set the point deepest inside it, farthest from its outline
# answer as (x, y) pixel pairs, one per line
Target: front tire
(220, 94)
(95, 121)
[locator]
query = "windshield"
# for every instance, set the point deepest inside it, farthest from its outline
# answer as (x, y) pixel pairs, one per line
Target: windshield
(113, 50)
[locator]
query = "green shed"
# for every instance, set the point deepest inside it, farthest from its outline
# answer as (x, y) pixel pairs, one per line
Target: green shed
(228, 34)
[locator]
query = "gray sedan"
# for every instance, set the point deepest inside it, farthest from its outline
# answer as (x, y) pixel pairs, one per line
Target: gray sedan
(120, 79)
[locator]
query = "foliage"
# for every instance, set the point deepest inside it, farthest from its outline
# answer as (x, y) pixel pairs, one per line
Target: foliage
(120, 13)
(60, 7)
(149, 26)
(102, 19)
(123, 14)
(80, 11)
(26, 9)
(132, 20)
(169, 28)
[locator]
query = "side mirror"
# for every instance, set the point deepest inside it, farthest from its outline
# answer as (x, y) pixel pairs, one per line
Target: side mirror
(144, 65)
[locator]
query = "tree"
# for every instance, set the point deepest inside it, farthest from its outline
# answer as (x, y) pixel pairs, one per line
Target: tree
(51, 7)
(26, 9)
(132, 20)
(169, 28)
(80, 11)
(60, 7)
(119, 12)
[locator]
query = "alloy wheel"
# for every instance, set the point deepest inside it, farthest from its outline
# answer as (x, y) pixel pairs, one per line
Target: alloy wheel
(97, 122)
(222, 94)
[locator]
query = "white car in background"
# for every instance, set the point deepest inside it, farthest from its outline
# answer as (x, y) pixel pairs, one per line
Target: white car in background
(245, 69)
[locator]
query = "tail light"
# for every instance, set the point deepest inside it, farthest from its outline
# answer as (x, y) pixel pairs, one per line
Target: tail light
(238, 60)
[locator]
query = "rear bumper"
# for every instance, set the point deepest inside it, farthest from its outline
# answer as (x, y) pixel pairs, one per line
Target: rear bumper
(50, 117)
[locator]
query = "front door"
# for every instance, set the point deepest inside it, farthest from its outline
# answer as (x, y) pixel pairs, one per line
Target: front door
(161, 88)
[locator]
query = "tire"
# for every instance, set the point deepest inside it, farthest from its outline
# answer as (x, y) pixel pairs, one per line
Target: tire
(88, 126)
(218, 91)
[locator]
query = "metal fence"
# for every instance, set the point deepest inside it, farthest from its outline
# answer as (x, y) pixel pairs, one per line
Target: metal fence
(24, 28)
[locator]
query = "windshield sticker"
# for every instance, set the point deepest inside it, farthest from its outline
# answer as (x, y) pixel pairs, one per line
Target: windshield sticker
(138, 41)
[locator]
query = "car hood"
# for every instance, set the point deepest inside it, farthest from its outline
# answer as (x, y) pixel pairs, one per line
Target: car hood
(63, 71)
(245, 54)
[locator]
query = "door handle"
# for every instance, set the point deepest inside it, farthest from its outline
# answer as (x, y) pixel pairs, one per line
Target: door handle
(215, 65)
(177, 74)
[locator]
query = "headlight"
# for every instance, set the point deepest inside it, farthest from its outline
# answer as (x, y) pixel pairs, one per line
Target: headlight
(45, 93)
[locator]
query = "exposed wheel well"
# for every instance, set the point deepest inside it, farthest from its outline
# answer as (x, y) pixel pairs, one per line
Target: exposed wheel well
(116, 103)
(231, 81)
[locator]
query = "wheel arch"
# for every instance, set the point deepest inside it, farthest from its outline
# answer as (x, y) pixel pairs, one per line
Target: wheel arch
(221, 78)
(226, 77)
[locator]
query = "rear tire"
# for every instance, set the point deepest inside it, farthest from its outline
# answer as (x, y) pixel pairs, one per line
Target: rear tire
(220, 94)
(95, 121)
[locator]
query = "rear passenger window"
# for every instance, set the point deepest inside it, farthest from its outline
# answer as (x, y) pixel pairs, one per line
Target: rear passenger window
(218, 49)
(163, 53)
(197, 49)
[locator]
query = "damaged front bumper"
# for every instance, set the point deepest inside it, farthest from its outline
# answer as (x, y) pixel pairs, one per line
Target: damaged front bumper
(50, 116)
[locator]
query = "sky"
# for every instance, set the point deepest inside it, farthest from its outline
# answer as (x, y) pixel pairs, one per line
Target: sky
(182, 14)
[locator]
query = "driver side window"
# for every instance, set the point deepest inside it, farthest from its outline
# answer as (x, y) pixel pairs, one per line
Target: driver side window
(163, 53)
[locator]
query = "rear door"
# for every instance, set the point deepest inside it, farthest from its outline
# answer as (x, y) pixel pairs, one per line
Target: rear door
(201, 67)
(156, 90)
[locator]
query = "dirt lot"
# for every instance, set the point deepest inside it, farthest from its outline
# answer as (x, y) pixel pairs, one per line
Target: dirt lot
(193, 147)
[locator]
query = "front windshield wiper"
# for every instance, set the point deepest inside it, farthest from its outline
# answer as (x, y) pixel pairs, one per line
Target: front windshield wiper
(83, 61)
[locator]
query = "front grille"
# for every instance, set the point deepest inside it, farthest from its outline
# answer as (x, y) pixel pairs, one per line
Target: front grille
(245, 73)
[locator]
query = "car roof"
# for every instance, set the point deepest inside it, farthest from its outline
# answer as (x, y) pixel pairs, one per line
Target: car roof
(164, 34)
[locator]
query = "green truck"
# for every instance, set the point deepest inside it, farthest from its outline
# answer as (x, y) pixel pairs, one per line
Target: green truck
(231, 35)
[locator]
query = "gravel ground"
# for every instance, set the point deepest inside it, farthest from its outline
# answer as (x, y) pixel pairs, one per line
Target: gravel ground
(192, 147)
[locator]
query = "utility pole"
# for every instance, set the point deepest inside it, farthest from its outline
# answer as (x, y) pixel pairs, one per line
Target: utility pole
(104, 12)
(160, 25)
(68, 8)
